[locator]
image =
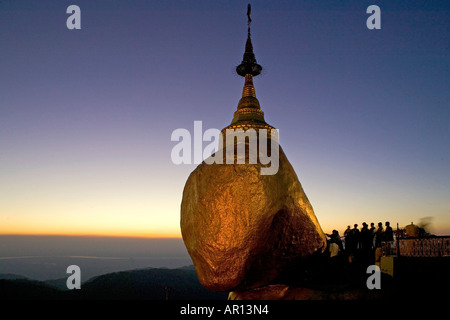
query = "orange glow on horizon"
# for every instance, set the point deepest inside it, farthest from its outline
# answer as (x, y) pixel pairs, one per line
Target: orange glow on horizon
(94, 231)
(106, 235)
(97, 224)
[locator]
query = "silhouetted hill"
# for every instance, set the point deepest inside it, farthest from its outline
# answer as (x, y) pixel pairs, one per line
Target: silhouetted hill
(152, 283)
(27, 289)
(11, 276)
(59, 284)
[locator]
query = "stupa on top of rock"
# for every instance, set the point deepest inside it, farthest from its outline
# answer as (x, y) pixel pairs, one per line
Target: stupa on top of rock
(244, 229)
(248, 113)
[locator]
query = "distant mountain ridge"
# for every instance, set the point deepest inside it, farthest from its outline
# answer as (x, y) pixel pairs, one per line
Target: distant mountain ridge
(11, 276)
(151, 283)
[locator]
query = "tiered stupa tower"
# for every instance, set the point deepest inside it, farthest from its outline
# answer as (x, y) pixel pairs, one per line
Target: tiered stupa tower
(249, 113)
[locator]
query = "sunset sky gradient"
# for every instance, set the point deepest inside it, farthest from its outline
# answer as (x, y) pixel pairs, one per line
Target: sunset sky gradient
(86, 115)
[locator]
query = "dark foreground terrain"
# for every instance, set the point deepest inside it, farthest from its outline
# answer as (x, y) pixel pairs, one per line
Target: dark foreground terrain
(414, 280)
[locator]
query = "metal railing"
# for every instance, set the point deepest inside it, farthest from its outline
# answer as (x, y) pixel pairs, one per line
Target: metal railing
(418, 247)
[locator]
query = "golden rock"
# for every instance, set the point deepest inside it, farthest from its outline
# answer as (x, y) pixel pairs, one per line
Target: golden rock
(241, 228)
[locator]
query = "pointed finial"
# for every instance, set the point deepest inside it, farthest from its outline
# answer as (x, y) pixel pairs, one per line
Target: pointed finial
(248, 64)
(249, 11)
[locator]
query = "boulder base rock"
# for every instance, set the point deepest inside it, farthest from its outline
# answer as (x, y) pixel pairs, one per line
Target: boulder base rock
(243, 229)
(276, 292)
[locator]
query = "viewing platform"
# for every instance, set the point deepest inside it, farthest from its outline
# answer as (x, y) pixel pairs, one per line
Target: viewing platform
(426, 254)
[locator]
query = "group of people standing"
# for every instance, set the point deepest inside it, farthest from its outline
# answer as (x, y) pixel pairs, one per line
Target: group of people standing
(362, 242)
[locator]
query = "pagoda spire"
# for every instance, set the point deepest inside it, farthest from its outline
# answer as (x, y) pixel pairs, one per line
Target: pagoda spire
(249, 113)
(248, 64)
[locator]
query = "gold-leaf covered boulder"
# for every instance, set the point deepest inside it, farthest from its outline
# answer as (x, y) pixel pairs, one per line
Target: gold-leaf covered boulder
(242, 228)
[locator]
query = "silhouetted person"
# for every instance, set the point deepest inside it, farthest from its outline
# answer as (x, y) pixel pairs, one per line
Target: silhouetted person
(336, 238)
(379, 235)
(388, 233)
(366, 238)
(347, 235)
(372, 234)
(352, 245)
(355, 237)
(336, 253)
(366, 243)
